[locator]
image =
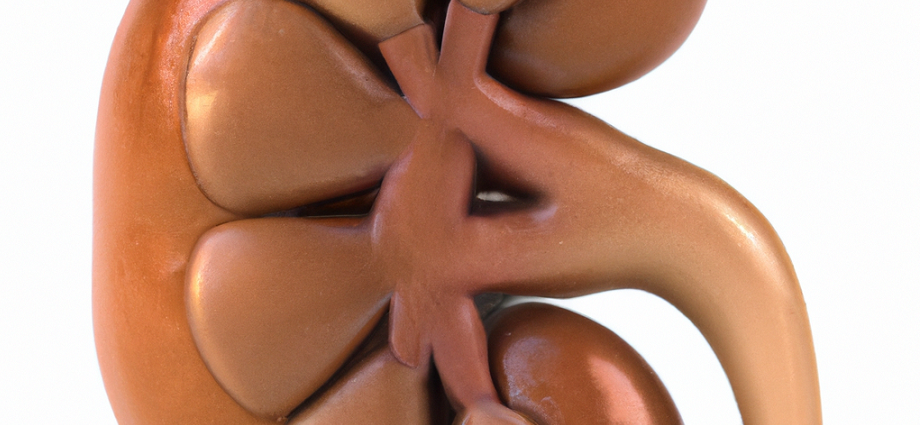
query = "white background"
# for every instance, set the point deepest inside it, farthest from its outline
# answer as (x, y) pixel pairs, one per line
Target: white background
(809, 108)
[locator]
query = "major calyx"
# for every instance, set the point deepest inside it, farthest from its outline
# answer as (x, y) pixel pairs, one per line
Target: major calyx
(277, 305)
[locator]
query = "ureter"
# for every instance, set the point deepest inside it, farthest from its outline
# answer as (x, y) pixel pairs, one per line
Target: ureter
(629, 216)
(664, 226)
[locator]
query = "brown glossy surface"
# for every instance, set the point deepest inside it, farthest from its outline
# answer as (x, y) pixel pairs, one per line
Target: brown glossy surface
(561, 368)
(272, 316)
(579, 47)
(212, 315)
(148, 214)
(372, 19)
(488, 7)
(379, 390)
(282, 111)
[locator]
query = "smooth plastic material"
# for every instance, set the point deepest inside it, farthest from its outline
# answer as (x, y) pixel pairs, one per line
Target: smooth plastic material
(288, 230)
(560, 368)
(579, 47)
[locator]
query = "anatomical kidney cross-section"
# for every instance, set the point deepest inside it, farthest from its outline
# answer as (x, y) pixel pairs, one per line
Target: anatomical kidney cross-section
(325, 212)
